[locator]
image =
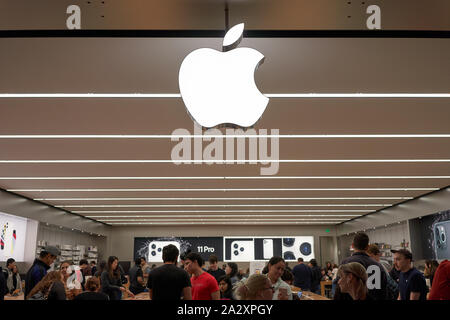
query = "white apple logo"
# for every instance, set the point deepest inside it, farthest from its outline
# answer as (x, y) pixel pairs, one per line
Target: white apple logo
(219, 87)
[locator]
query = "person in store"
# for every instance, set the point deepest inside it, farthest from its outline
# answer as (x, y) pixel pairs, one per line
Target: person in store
(136, 275)
(14, 282)
(440, 290)
(93, 267)
(204, 285)
(92, 291)
(85, 271)
(51, 287)
(168, 282)
(111, 282)
(145, 268)
(214, 268)
(412, 285)
(64, 268)
(276, 267)
(302, 275)
(360, 245)
(288, 277)
(353, 281)
(391, 285)
(226, 288)
(430, 269)
(231, 270)
(329, 269)
(325, 276)
(102, 267)
(3, 288)
(256, 287)
(316, 276)
(40, 267)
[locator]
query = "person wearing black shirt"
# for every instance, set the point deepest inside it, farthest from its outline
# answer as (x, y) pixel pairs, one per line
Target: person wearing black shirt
(360, 245)
(111, 280)
(92, 293)
(226, 288)
(136, 277)
(302, 275)
(316, 276)
(3, 288)
(40, 266)
(168, 282)
(412, 285)
(214, 268)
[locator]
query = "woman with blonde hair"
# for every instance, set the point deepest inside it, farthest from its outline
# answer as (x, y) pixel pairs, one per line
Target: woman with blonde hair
(51, 287)
(256, 287)
(353, 279)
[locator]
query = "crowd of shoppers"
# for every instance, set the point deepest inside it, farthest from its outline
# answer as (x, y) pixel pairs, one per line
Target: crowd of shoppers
(362, 276)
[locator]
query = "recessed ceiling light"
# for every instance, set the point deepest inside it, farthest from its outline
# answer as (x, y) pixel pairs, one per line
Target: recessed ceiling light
(234, 161)
(221, 190)
(225, 178)
(224, 216)
(179, 136)
(211, 211)
(207, 199)
(268, 95)
(214, 205)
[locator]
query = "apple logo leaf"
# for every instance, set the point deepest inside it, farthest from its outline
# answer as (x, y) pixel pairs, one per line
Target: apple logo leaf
(233, 37)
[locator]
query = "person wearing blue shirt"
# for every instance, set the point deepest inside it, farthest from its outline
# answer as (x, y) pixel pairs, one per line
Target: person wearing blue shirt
(412, 285)
(302, 275)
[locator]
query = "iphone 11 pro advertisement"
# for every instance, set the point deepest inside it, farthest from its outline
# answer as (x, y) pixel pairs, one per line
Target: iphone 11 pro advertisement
(151, 247)
(12, 237)
(244, 249)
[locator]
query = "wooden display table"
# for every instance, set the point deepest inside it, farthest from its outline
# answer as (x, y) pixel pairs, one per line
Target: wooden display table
(19, 297)
(140, 296)
(323, 284)
(307, 295)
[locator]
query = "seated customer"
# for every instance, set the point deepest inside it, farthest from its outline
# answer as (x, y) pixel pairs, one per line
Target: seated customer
(256, 287)
(51, 287)
(92, 291)
(353, 279)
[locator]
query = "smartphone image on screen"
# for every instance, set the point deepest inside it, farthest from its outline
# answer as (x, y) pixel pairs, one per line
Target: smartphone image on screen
(242, 250)
(268, 248)
(441, 234)
(155, 249)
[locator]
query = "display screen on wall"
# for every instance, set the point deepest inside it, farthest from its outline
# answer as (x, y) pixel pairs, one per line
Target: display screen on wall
(234, 249)
(13, 231)
(151, 248)
(429, 236)
(263, 248)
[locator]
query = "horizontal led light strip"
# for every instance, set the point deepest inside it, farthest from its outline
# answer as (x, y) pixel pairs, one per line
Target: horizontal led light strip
(231, 161)
(225, 178)
(219, 223)
(269, 95)
(191, 199)
(237, 220)
(228, 216)
(217, 205)
(212, 211)
(223, 190)
(178, 136)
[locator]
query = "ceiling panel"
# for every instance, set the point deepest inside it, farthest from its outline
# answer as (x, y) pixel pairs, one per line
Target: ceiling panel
(291, 66)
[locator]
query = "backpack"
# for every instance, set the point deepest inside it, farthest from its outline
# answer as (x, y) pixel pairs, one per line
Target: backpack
(391, 288)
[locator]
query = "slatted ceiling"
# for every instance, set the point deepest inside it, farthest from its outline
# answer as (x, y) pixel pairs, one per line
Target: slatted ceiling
(291, 65)
(270, 183)
(290, 148)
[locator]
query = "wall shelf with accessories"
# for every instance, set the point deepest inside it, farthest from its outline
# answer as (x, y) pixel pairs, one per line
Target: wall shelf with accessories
(92, 254)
